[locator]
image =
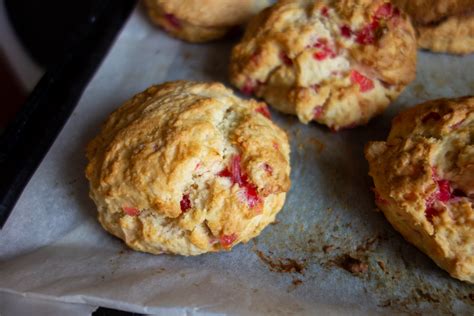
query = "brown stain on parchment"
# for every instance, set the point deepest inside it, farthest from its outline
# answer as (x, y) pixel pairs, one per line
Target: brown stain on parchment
(352, 265)
(395, 274)
(396, 286)
(281, 265)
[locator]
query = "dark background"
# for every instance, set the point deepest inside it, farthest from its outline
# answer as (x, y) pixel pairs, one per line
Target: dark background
(46, 30)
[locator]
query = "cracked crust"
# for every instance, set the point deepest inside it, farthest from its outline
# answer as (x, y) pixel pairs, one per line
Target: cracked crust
(203, 20)
(432, 11)
(454, 35)
(424, 181)
(188, 168)
(445, 26)
(335, 62)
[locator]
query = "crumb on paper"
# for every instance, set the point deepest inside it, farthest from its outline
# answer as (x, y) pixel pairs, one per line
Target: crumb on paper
(296, 282)
(382, 265)
(328, 248)
(281, 265)
(353, 265)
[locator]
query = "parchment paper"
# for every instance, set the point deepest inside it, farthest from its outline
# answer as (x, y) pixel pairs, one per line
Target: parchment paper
(53, 248)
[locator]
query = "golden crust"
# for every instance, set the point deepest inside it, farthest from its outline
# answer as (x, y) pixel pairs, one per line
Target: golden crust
(163, 171)
(424, 181)
(203, 20)
(432, 11)
(297, 56)
(445, 26)
(454, 35)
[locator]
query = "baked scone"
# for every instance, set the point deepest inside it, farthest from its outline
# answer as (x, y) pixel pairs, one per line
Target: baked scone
(335, 62)
(188, 168)
(201, 20)
(442, 25)
(424, 181)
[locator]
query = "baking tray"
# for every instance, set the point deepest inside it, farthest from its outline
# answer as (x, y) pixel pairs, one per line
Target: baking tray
(27, 139)
(330, 250)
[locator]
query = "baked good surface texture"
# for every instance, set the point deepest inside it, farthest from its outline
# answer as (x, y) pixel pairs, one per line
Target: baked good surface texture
(335, 62)
(201, 20)
(188, 168)
(442, 25)
(424, 181)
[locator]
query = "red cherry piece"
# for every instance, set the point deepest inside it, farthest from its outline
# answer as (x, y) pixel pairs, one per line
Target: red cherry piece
(131, 211)
(444, 190)
(431, 212)
(255, 57)
(320, 55)
(365, 84)
(379, 199)
(185, 203)
(248, 88)
(285, 59)
(227, 240)
(236, 176)
(325, 12)
(346, 31)
(235, 171)
(396, 13)
(431, 116)
(251, 194)
(374, 25)
(385, 11)
(225, 173)
(264, 111)
(268, 168)
(324, 50)
(276, 146)
(365, 36)
(443, 194)
(318, 112)
(173, 20)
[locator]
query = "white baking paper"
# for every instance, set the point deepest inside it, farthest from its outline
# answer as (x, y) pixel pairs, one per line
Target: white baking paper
(52, 247)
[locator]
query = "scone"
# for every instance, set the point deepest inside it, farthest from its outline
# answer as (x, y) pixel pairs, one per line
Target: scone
(442, 25)
(424, 181)
(188, 168)
(335, 62)
(201, 20)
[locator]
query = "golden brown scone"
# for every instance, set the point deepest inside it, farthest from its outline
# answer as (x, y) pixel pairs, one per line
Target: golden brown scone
(336, 62)
(188, 168)
(201, 20)
(431, 11)
(454, 35)
(424, 181)
(445, 26)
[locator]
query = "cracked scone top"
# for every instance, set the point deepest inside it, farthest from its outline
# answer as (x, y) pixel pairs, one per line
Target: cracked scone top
(424, 181)
(442, 25)
(188, 168)
(335, 62)
(201, 20)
